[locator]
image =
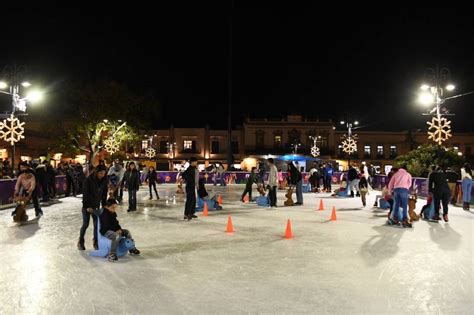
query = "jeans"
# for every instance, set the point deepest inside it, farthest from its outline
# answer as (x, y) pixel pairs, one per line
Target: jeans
(132, 199)
(272, 195)
(299, 192)
(354, 184)
(327, 181)
(86, 216)
(400, 198)
(466, 190)
(150, 185)
(222, 179)
(190, 205)
(441, 197)
(115, 238)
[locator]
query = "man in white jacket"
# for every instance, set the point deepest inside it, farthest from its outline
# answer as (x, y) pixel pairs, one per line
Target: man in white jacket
(272, 183)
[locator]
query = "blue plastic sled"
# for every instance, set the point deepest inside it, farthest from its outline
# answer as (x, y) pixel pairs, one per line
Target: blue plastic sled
(211, 205)
(345, 193)
(104, 245)
(263, 201)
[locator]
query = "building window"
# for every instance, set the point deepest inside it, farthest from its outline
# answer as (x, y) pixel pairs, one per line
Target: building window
(340, 152)
(144, 144)
(235, 146)
(367, 151)
(188, 145)
(260, 139)
(322, 141)
(380, 151)
(215, 147)
(164, 147)
(393, 151)
(277, 140)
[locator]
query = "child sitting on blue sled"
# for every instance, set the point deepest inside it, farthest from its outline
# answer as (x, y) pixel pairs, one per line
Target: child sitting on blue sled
(111, 229)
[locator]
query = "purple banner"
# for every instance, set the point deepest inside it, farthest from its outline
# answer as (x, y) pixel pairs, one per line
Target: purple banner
(7, 186)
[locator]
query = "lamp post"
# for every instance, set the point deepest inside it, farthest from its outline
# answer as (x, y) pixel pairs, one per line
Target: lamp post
(349, 144)
(439, 129)
(14, 128)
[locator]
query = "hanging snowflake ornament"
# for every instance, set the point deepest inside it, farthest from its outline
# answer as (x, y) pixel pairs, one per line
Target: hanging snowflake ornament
(439, 129)
(349, 144)
(12, 130)
(315, 151)
(150, 153)
(111, 145)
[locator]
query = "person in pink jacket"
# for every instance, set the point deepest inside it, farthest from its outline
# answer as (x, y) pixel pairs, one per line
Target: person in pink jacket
(399, 185)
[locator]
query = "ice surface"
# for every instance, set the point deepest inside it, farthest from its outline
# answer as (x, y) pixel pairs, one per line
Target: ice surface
(353, 265)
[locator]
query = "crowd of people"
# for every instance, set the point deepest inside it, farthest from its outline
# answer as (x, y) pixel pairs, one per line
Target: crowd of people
(102, 189)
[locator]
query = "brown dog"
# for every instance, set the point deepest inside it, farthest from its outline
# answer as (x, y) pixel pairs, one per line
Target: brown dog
(411, 208)
(289, 201)
(20, 210)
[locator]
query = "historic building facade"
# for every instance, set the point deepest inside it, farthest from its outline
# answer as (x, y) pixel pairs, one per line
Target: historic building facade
(256, 138)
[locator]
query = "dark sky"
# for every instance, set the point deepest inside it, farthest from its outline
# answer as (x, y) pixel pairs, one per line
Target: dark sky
(314, 60)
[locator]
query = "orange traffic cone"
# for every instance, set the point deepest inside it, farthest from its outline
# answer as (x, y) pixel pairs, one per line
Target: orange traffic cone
(219, 200)
(321, 205)
(288, 233)
(333, 214)
(205, 211)
(230, 227)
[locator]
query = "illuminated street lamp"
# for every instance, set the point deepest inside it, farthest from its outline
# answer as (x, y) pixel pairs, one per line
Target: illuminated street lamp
(11, 129)
(349, 143)
(439, 129)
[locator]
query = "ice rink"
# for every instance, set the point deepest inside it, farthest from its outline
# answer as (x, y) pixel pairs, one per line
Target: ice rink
(351, 266)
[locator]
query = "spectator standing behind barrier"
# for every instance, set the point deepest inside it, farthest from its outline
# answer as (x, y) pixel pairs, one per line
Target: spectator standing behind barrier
(466, 177)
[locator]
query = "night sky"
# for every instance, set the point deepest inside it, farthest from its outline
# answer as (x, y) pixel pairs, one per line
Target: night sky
(316, 61)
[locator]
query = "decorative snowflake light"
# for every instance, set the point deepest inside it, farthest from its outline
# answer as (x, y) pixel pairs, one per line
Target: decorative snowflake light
(11, 130)
(315, 151)
(349, 144)
(111, 145)
(439, 129)
(150, 153)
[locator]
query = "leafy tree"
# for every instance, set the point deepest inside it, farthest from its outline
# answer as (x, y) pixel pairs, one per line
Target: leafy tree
(97, 111)
(418, 161)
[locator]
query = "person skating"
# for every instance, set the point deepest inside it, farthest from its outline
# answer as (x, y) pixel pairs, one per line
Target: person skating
(41, 180)
(363, 188)
(221, 172)
(191, 177)
(353, 180)
(111, 229)
(466, 177)
(329, 171)
(296, 180)
(25, 186)
(50, 179)
(94, 194)
(250, 181)
(132, 184)
(272, 183)
(399, 185)
(452, 178)
(115, 176)
(438, 186)
(151, 179)
(205, 196)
